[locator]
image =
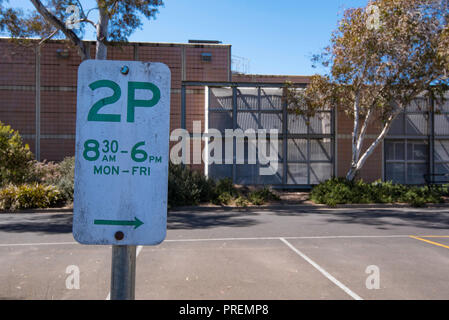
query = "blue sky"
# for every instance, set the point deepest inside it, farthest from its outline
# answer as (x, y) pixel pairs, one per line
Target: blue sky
(277, 37)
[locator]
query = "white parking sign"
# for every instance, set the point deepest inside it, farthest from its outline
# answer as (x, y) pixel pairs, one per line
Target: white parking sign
(121, 157)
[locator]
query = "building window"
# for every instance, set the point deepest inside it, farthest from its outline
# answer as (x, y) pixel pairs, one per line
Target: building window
(412, 149)
(406, 161)
(406, 147)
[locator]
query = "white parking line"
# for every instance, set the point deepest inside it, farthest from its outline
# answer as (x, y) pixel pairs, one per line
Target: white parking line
(277, 238)
(324, 272)
(215, 239)
(35, 244)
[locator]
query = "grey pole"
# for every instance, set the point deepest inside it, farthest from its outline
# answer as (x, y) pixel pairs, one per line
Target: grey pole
(37, 144)
(123, 273)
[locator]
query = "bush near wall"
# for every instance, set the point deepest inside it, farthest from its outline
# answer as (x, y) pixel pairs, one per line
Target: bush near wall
(188, 187)
(29, 196)
(15, 157)
(341, 191)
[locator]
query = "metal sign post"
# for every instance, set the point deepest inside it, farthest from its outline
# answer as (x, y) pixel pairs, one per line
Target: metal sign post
(123, 272)
(121, 161)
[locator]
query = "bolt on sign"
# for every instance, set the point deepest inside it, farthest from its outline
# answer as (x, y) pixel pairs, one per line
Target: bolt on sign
(121, 152)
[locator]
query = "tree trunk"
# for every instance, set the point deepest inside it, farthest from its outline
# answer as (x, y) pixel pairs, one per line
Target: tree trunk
(352, 173)
(102, 35)
(355, 136)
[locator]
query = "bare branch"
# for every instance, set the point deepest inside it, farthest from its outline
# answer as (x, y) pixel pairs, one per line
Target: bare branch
(88, 21)
(49, 37)
(55, 22)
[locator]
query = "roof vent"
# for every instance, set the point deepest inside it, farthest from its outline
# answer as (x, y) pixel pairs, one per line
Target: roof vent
(205, 41)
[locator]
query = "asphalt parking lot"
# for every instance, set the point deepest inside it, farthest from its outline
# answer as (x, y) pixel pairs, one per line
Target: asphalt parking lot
(290, 252)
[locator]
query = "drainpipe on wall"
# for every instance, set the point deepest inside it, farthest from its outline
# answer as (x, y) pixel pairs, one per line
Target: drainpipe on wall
(37, 148)
(37, 132)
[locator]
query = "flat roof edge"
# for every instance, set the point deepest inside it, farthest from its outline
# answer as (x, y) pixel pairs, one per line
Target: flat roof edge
(142, 43)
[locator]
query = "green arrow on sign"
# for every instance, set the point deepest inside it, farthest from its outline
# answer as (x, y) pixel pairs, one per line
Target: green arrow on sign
(136, 222)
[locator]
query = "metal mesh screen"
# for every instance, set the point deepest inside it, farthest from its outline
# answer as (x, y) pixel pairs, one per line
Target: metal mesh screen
(304, 146)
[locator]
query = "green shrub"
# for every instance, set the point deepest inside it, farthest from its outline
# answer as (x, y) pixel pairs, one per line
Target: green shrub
(28, 196)
(60, 174)
(188, 187)
(341, 191)
(44, 172)
(241, 201)
(15, 157)
(261, 196)
(64, 180)
(225, 186)
(223, 198)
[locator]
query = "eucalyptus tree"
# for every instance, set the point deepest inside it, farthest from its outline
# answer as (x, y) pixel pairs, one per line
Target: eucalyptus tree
(379, 60)
(67, 19)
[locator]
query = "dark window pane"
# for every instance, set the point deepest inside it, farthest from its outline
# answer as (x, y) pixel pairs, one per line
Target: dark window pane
(394, 150)
(395, 172)
(399, 152)
(415, 173)
(417, 150)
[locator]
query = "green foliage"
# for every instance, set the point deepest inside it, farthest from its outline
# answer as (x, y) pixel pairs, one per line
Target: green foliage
(341, 191)
(115, 20)
(64, 180)
(15, 157)
(223, 198)
(44, 172)
(241, 201)
(225, 186)
(188, 187)
(27, 196)
(61, 175)
(261, 196)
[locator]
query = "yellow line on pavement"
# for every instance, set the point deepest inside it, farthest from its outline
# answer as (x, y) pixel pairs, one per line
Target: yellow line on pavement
(431, 242)
(434, 236)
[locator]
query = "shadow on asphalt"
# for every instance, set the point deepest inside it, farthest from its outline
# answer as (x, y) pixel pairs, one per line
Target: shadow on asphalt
(385, 218)
(53, 223)
(202, 218)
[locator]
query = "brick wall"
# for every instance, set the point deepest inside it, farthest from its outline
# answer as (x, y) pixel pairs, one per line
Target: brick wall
(372, 170)
(59, 79)
(58, 92)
